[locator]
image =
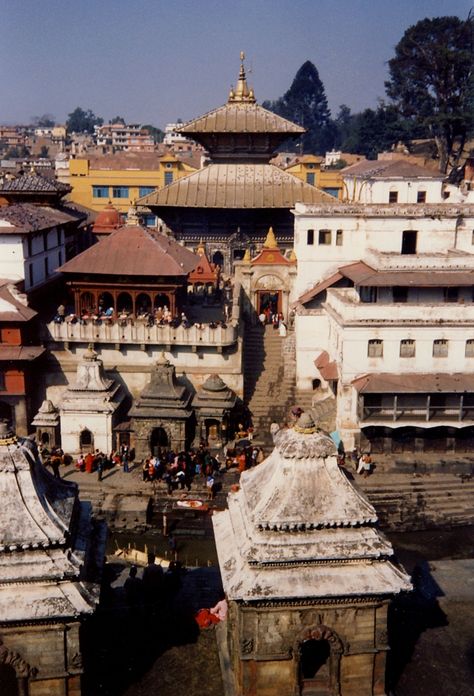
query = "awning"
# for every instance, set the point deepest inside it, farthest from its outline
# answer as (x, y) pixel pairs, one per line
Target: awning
(414, 383)
(327, 368)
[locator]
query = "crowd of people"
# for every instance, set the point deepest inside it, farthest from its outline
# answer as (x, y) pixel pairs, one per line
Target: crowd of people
(160, 316)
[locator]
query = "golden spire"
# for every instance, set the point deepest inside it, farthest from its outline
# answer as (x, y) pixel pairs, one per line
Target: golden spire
(247, 257)
(293, 258)
(270, 242)
(241, 93)
(201, 250)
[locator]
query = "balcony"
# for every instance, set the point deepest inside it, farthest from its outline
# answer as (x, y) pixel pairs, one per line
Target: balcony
(142, 335)
(347, 308)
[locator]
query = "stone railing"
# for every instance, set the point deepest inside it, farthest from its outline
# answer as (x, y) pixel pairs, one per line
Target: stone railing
(140, 334)
(345, 304)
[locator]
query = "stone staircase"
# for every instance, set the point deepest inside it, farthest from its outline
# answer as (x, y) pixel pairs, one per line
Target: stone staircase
(420, 502)
(270, 383)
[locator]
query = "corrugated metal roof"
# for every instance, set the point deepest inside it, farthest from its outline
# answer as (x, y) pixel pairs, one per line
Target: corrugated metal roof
(411, 383)
(237, 186)
(134, 251)
(240, 118)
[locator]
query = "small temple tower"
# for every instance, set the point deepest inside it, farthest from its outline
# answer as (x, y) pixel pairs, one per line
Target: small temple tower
(160, 417)
(307, 575)
(89, 408)
(46, 423)
(214, 405)
(51, 558)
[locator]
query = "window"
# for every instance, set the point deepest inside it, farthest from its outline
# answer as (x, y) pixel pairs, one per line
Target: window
(368, 293)
(332, 191)
(407, 348)
(120, 191)
(145, 190)
(472, 237)
(400, 294)
(421, 197)
(149, 220)
(46, 267)
(393, 196)
(451, 294)
(100, 191)
(168, 178)
(325, 237)
(339, 237)
(375, 348)
(409, 238)
(310, 237)
(440, 348)
(310, 178)
(469, 352)
(31, 274)
(2, 381)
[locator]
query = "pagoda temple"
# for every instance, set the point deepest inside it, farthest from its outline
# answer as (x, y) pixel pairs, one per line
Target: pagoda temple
(307, 575)
(233, 201)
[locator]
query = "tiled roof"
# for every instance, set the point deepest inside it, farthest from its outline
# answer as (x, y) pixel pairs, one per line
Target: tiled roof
(411, 383)
(237, 186)
(240, 118)
(25, 218)
(390, 169)
(21, 353)
(363, 275)
(33, 183)
(134, 251)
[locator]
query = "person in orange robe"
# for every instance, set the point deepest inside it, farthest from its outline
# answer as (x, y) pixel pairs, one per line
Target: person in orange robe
(89, 460)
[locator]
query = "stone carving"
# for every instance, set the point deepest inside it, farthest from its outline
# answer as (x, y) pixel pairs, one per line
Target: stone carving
(304, 441)
(21, 667)
(322, 632)
(246, 646)
(269, 282)
(76, 661)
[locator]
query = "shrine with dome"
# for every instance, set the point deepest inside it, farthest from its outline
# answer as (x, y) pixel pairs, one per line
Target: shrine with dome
(307, 575)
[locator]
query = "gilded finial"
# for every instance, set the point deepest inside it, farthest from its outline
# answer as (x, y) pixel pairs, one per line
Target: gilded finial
(293, 258)
(247, 258)
(201, 250)
(241, 93)
(270, 241)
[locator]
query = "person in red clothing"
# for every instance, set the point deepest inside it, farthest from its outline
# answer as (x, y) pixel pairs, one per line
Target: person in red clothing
(89, 462)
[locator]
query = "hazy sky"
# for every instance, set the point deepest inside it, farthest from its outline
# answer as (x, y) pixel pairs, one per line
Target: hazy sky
(152, 61)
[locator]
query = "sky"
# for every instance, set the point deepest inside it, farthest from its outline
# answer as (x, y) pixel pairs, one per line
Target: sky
(154, 61)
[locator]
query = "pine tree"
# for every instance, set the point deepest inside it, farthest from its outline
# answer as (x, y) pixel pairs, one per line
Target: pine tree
(306, 104)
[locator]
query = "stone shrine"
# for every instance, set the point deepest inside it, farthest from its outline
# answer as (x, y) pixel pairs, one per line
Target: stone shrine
(47, 424)
(90, 408)
(215, 406)
(161, 416)
(51, 558)
(307, 575)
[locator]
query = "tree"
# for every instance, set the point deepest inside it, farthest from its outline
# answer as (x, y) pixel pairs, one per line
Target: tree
(376, 130)
(305, 103)
(431, 81)
(117, 119)
(155, 133)
(44, 121)
(80, 121)
(44, 152)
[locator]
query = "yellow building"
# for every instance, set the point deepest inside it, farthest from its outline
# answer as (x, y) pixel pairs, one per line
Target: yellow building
(121, 178)
(308, 169)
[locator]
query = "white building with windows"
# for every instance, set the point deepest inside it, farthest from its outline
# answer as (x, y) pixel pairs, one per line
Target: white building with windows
(391, 181)
(385, 320)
